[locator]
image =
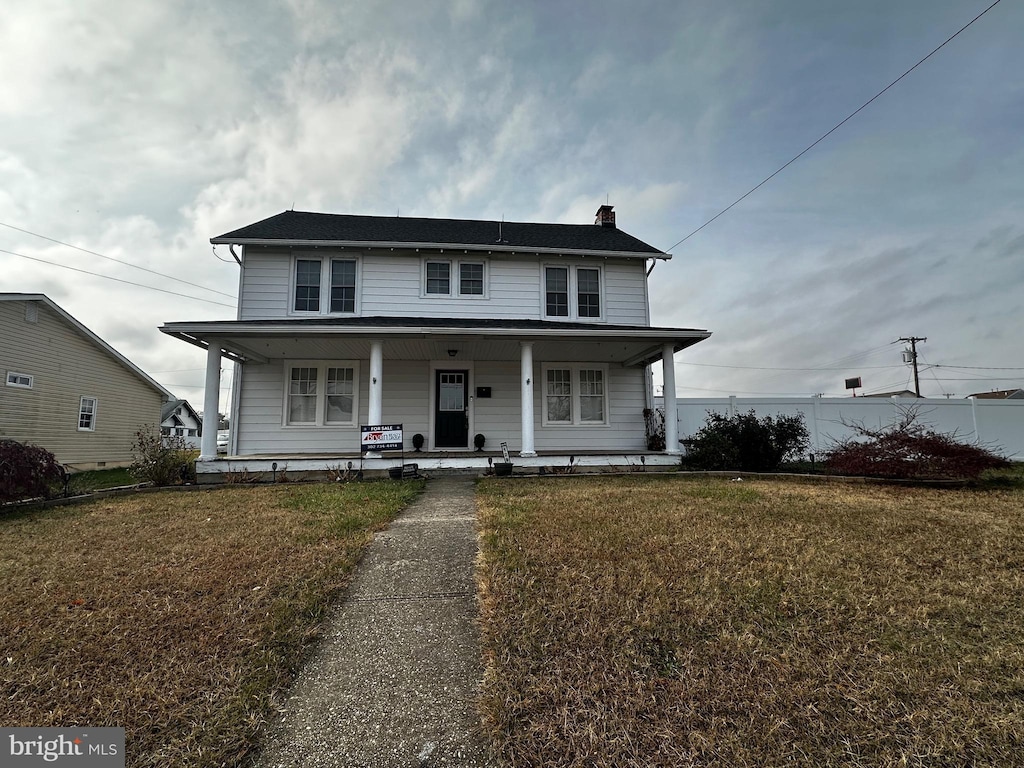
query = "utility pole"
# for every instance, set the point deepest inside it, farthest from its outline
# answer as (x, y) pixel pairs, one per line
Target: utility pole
(912, 340)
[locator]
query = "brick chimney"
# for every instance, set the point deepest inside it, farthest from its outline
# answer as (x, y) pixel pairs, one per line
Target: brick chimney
(605, 216)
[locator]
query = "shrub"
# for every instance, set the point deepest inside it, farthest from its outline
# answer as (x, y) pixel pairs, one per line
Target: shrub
(27, 471)
(744, 442)
(908, 450)
(162, 460)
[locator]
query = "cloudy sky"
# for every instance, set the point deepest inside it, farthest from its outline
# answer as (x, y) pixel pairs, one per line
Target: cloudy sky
(138, 130)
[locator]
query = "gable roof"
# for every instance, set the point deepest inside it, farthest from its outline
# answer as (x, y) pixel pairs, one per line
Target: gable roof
(91, 337)
(303, 228)
(172, 405)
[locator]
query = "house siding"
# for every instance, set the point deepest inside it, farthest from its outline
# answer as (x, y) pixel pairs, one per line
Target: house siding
(65, 367)
(406, 401)
(390, 283)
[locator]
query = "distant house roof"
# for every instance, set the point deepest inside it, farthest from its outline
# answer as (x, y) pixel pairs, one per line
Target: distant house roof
(89, 336)
(302, 228)
(171, 406)
(1000, 394)
(896, 393)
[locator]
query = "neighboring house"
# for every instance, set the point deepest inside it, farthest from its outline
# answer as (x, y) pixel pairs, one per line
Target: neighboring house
(536, 335)
(1000, 394)
(895, 393)
(178, 419)
(67, 390)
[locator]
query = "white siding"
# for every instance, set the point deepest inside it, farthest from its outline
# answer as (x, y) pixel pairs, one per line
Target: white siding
(265, 285)
(407, 402)
(66, 367)
(390, 283)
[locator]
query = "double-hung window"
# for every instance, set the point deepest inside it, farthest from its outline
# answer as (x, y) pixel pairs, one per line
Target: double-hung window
(588, 292)
(439, 278)
(575, 394)
(343, 285)
(448, 278)
(556, 291)
(573, 292)
(321, 393)
(87, 414)
(307, 285)
(325, 285)
(471, 278)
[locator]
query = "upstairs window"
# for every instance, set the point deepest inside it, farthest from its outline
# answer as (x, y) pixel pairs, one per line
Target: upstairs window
(573, 292)
(556, 291)
(588, 292)
(19, 380)
(307, 285)
(325, 286)
(439, 278)
(450, 278)
(343, 285)
(87, 414)
(471, 279)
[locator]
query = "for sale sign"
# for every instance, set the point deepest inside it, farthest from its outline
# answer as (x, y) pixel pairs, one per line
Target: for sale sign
(384, 437)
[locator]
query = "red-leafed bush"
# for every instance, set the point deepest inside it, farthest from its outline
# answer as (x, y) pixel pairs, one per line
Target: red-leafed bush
(908, 450)
(27, 471)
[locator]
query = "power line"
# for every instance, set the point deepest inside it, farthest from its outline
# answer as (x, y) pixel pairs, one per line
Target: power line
(116, 279)
(111, 258)
(762, 368)
(974, 367)
(832, 130)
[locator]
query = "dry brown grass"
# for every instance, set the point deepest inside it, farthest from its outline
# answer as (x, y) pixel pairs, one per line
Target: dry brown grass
(178, 616)
(663, 622)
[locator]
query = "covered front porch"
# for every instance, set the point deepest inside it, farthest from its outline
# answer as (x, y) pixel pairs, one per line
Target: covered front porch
(261, 468)
(547, 390)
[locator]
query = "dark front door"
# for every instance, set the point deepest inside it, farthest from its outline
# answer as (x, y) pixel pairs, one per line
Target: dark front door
(451, 417)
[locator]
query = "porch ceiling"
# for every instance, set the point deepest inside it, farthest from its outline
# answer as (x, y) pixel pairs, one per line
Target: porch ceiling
(245, 341)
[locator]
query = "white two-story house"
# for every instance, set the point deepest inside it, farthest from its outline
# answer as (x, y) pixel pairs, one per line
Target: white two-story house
(536, 335)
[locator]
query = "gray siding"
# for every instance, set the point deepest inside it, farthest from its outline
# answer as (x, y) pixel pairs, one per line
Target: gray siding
(66, 366)
(390, 283)
(407, 401)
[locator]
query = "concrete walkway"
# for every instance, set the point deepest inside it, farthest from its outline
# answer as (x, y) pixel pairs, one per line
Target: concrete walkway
(395, 678)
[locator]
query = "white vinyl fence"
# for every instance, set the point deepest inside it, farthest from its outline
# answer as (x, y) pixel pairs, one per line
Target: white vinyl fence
(994, 424)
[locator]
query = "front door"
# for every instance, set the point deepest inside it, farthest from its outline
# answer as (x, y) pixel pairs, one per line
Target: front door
(451, 415)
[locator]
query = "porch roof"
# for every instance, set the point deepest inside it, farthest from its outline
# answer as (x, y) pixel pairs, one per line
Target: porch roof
(432, 338)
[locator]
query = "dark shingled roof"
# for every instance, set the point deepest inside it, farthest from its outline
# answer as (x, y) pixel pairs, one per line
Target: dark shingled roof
(292, 226)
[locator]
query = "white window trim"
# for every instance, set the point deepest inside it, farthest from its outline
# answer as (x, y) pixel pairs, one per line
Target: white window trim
(574, 297)
(16, 383)
(454, 277)
(325, 260)
(321, 367)
(574, 394)
(423, 277)
(95, 412)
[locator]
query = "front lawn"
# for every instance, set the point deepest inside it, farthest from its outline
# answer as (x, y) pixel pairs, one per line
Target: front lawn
(180, 616)
(648, 621)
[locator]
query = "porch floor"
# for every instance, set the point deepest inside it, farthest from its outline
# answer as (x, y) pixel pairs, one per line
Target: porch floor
(430, 461)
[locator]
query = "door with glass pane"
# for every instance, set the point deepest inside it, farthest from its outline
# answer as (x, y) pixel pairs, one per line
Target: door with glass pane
(451, 415)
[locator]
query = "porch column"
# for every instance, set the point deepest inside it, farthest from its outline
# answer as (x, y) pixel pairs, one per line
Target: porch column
(671, 415)
(375, 411)
(211, 404)
(526, 383)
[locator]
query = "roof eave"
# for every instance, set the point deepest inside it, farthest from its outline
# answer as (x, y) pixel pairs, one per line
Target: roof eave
(489, 248)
